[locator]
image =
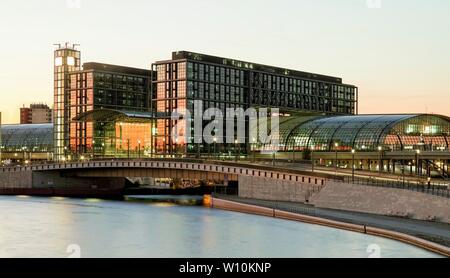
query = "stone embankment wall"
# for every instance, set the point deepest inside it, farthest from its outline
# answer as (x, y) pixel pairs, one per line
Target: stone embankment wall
(16, 180)
(385, 201)
(277, 190)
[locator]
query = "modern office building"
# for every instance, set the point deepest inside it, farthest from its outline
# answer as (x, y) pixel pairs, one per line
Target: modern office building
(226, 83)
(110, 108)
(36, 114)
(100, 109)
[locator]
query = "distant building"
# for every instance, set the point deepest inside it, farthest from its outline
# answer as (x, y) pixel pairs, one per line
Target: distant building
(36, 114)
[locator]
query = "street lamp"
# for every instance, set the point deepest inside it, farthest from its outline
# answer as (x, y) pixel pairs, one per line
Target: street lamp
(417, 162)
(139, 149)
(336, 146)
(312, 159)
(65, 150)
(128, 148)
(25, 153)
(93, 149)
(103, 150)
(236, 149)
(215, 141)
(353, 165)
(380, 150)
(198, 149)
(254, 149)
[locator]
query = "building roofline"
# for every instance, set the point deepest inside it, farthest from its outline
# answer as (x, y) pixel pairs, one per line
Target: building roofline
(179, 55)
(115, 68)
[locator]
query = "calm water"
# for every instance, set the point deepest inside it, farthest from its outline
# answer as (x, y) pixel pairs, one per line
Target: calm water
(56, 227)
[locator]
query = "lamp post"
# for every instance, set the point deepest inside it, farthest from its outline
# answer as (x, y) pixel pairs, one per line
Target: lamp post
(417, 162)
(103, 150)
(380, 151)
(198, 148)
(403, 172)
(128, 148)
(93, 149)
(139, 149)
(254, 149)
(236, 142)
(313, 164)
(353, 165)
(336, 145)
(214, 149)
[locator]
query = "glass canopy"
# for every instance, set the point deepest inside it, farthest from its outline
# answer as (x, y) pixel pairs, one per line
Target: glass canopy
(29, 138)
(366, 133)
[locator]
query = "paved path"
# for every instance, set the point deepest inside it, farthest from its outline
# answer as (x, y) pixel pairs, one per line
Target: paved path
(432, 231)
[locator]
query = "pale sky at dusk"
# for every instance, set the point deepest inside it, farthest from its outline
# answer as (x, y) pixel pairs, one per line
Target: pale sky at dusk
(398, 54)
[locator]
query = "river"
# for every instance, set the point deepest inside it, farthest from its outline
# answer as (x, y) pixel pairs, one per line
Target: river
(61, 227)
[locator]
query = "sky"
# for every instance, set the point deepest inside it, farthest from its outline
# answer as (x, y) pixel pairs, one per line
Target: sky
(396, 51)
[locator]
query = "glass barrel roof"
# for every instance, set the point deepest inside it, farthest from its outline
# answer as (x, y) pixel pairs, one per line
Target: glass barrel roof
(366, 132)
(30, 137)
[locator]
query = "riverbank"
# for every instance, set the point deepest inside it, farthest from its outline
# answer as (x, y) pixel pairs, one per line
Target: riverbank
(431, 236)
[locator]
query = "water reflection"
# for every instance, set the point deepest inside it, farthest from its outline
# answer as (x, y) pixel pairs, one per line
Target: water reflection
(168, 226)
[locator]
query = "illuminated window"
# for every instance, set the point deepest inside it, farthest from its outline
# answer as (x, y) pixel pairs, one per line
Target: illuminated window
(58, 61)
(71, 61)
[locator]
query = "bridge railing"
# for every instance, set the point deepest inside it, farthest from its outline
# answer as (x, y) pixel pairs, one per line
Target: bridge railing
(433, 188)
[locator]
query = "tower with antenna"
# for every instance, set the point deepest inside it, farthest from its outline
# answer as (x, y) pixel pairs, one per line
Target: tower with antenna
(67, 59)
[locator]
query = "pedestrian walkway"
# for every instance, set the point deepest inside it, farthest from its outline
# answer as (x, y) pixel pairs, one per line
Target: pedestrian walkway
(432, 231)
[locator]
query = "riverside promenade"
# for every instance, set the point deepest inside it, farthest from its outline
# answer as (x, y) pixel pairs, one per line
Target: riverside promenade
(434, 232)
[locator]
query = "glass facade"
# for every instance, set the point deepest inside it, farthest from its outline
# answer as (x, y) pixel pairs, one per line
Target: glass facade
(66, 60)
(109, 88)
(27, 138)
(367, 133)
(228, 84)
(181, 83)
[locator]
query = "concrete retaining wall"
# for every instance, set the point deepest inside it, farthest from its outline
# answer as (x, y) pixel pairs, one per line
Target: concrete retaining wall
(16, 180)
(43, 180)
(276, 190)
(385, 201)
(55, 179)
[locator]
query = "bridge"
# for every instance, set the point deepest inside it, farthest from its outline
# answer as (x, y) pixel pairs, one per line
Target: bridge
(108, 179)
(112, 174)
